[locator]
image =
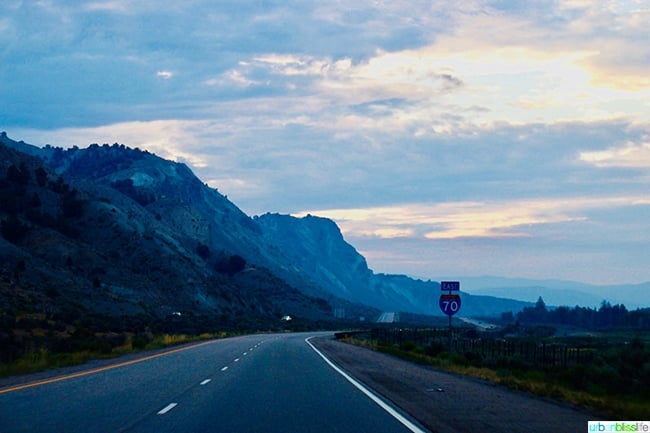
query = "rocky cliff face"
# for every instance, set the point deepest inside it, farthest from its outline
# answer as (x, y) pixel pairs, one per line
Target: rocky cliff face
(317, 246)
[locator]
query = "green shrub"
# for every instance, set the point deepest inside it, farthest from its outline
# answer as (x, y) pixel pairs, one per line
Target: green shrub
(435, 348)
(458, 359)
(139, 341)
(474, 358)
(407, 346)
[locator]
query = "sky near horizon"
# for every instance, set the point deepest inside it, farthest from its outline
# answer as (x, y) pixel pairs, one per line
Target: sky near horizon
(445, 138)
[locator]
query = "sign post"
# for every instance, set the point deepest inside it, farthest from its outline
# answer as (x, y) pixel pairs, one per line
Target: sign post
(450, 302)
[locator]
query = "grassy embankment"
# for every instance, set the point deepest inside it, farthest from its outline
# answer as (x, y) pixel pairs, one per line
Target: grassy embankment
(44, 359)
(614, 383)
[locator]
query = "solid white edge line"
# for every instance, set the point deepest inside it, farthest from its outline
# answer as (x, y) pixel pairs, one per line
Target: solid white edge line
(167, 408)
(381, 403)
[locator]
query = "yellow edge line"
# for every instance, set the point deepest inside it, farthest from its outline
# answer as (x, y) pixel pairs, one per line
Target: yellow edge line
(99, 370)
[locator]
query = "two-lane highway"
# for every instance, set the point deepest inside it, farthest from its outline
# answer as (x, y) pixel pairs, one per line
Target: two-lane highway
(259, 383)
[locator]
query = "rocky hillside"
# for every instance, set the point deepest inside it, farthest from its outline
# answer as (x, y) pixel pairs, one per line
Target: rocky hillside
(111, 239)
(122, 232)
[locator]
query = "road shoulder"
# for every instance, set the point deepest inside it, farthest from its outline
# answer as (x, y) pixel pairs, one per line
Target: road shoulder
(445, 402)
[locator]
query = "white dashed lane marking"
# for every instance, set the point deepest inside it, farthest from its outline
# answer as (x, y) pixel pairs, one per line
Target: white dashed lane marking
(167, 408)
(171, 406)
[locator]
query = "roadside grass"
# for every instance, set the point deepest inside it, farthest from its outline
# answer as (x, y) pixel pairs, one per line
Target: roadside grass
(44, 359)
(537, 381)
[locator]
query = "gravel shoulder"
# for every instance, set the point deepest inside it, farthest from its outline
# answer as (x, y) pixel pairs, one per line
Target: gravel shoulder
(448, 403)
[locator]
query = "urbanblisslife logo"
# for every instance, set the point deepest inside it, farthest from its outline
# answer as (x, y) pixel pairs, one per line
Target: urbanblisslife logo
(619, 426)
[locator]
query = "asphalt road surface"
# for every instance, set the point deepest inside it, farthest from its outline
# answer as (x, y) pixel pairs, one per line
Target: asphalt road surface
(259, 383)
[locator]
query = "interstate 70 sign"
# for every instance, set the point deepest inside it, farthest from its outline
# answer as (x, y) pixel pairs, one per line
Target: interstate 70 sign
(450, 302)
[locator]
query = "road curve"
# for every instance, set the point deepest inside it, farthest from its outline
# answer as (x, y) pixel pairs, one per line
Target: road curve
(258, 383)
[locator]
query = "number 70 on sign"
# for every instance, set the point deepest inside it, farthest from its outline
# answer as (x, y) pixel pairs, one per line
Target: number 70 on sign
(449, 304)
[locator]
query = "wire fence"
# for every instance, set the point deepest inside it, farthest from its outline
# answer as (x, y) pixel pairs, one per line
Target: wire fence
(528, 351)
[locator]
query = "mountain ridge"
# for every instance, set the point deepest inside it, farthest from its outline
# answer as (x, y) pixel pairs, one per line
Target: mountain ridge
(557, 292)
(73, 247)
(337, 265)
(152, 200)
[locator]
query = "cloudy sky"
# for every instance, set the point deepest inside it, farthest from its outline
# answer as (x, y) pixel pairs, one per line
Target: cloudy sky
(482, 137)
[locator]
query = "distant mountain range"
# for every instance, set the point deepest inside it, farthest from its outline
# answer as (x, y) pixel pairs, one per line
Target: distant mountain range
(120, 232)
(560, 292)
